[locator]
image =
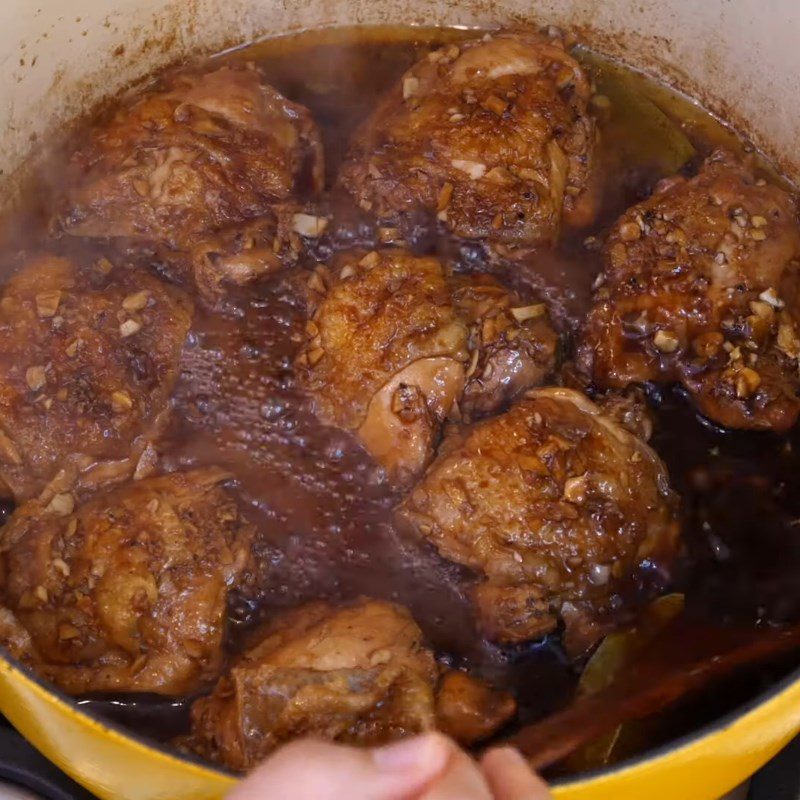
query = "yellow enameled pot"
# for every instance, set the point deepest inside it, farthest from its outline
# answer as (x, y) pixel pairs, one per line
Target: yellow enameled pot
(117, 765)
(59, 59)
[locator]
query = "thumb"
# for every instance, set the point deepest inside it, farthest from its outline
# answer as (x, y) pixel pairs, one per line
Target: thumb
(510, 777)
(314, 770)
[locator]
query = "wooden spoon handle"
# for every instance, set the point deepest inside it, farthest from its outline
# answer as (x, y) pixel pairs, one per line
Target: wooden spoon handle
(658, 680)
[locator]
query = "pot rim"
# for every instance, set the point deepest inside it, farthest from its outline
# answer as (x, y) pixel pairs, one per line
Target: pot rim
(688, 739)
(654, 754)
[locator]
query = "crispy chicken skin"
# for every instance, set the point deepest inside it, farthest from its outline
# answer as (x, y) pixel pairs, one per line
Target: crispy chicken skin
(359, 675)
(395, 343)
(126, 592)
(88, 358)
(491, 135)
(201, 151)
(552, 503)
(700, 287)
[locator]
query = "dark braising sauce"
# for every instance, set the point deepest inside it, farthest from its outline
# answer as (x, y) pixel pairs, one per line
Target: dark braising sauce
(320, 505)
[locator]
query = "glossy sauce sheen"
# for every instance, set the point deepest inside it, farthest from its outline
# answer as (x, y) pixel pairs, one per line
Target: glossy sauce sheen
(321, 506)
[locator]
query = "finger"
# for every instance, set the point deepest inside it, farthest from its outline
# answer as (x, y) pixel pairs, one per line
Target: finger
(463, 780)
(315, 770)
(510, 778)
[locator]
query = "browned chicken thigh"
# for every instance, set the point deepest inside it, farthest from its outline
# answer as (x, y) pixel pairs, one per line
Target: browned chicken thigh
(88, 358)
(553, 504)
(700, 287)
(201, 151)
(359, 675)
(492, 136)
(395, 344)
(387, 354)
(127, 591)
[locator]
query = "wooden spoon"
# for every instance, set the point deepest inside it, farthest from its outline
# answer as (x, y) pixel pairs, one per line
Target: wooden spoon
(683, 659)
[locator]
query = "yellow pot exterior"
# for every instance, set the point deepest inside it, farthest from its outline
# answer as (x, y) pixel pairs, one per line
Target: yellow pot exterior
(118, 767)
(108, 763)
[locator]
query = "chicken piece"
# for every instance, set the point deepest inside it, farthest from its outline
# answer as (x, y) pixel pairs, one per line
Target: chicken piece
(512, 346)
(88, 358)
(629, 408)
(199, 152)
(492, 136)
(552, 503)
(243, 253)
(395, 343)
(127, 591)
(359, 675)
(700, 287)
(469, 710)
(387, 354)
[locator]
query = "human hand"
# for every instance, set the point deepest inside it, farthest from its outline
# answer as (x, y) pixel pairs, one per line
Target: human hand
(428, 767)
(510, 777)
